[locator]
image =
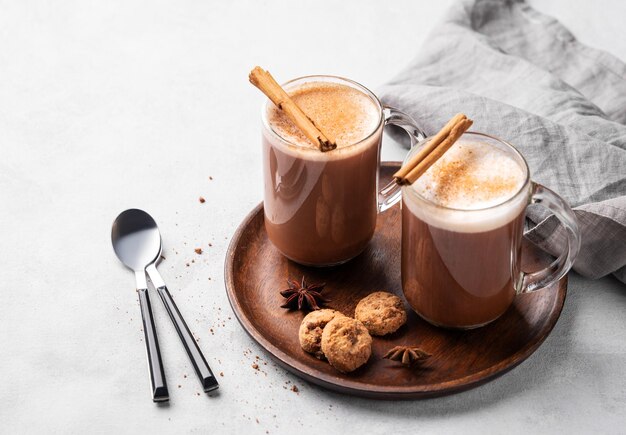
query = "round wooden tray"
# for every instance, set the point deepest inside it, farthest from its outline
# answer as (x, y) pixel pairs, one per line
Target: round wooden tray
(255, 272)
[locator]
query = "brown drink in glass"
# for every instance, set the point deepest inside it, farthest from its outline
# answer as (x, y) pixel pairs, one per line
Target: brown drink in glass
(462, 227)
(320, 207)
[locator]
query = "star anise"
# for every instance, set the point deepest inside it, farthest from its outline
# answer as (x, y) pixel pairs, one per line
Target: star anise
(407, 355)
(301, 295)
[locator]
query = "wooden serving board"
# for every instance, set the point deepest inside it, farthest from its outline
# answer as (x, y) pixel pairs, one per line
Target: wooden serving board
(255, 272)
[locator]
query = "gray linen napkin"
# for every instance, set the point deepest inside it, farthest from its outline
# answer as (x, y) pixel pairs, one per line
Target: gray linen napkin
(524, 78)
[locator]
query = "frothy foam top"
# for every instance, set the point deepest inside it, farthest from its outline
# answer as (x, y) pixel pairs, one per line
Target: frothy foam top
(340, 111)
(471, 175)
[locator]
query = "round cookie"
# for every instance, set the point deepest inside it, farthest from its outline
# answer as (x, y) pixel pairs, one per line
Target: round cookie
(381, 313)
(346, 344)
(310, 333)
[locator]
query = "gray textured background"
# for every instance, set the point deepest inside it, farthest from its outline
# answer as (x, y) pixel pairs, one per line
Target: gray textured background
(110, 105)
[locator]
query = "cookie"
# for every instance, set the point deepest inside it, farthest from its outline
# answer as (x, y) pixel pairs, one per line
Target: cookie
(381, 312)
(311, 328)
(346, 344)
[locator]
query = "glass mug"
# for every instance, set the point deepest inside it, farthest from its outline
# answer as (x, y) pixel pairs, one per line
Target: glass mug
(461, 268)
(320, 208)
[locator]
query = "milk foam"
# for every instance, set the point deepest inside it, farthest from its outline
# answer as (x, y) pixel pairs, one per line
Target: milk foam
(471, 176)
(342, 112)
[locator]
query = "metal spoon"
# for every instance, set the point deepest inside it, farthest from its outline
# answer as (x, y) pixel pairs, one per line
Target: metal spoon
(208, 380)
(137, 243)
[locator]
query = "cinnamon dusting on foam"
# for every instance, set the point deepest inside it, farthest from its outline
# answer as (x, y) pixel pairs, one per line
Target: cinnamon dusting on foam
(345, 113)
(470, 176)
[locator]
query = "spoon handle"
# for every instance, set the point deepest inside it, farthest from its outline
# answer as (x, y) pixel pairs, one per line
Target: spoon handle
(157, 376)
(209, 383)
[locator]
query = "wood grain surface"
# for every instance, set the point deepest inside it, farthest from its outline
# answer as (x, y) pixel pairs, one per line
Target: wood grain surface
(255, 272)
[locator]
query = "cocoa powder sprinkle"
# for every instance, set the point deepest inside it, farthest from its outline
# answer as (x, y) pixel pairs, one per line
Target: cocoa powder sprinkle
(456, 177)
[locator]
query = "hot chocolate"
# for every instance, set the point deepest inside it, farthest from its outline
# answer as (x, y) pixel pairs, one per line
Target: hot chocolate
(462, 223)
(320, 208)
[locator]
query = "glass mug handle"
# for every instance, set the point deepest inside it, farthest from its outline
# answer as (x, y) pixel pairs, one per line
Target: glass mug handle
(389, 195)
(533, 281)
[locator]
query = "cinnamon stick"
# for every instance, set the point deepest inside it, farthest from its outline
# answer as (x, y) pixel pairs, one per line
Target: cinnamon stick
(433, 150)
(265, 82)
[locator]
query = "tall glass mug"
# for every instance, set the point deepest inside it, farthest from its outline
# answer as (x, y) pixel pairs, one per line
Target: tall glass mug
(320, 207)
(460, 267)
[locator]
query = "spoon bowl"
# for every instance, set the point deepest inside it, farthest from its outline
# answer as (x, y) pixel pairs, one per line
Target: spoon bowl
(136, 239)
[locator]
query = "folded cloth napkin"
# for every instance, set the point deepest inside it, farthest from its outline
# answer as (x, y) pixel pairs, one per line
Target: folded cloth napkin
(521, 76)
